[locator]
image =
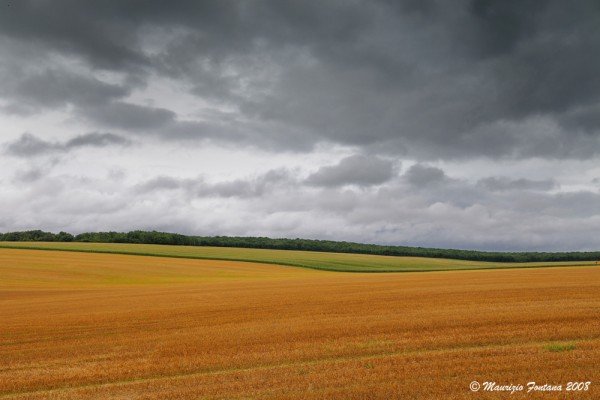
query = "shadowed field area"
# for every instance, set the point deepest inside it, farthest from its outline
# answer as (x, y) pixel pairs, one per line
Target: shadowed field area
(342, 262)
(97, 326)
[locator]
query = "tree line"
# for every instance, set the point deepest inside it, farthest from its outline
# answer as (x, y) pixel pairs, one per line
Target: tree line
(153, 237)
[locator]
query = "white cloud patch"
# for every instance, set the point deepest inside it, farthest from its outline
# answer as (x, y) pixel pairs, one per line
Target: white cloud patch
(434, 210)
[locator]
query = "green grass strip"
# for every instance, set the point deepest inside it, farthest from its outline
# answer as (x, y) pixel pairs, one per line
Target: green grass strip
(337, 262)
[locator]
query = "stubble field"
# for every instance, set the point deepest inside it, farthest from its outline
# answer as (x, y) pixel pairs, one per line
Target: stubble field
(98, 326)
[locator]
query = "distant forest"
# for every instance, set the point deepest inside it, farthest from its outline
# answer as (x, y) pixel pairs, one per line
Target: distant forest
(153, 237)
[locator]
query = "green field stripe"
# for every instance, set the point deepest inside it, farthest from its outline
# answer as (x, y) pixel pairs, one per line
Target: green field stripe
(329, 265)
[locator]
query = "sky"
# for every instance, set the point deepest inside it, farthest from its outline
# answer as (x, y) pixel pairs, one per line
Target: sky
(466, 124)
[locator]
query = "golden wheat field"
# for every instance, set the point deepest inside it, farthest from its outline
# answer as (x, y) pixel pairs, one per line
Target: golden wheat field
(106, 326)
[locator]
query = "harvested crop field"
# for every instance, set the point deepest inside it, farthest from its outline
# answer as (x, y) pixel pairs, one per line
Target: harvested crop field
(97, 326)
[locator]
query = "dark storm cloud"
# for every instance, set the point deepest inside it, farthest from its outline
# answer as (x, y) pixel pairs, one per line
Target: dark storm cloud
(164, 123)
(354, 170)
(58, 88)
(130, 116)
(29, 145)
(501, 25)
(423, 175)
(586, 119)
(428, 79)
(74, 28)
(431, 82)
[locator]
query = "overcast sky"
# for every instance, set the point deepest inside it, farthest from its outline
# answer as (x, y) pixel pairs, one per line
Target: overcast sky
(471, 124)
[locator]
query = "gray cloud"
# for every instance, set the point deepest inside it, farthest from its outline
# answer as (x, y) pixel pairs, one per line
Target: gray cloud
(161, 183)
(433, 80)
(130, 116)
(29, 145)
(28, 176)
(198, 187)
(503, 183)
(74, 30)
(584, 118)
(58, 88)
(96, 139)
(354, 170)
(163, 123)
(423, 175)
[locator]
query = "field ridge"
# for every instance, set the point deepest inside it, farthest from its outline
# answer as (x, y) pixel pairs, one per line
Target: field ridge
(325, 261)
(166, 238)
